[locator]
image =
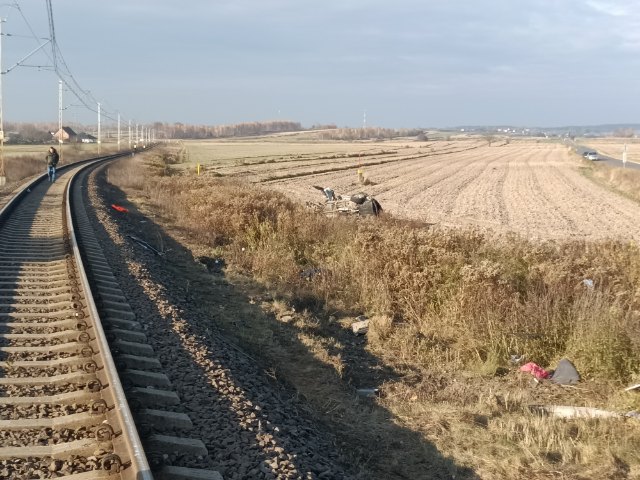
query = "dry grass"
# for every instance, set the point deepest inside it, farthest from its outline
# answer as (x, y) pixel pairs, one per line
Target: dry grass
(448, 309)
(24, 161)
(622, 180)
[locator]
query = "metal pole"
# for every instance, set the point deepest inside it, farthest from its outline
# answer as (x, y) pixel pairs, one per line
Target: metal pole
(99, 126)
(3, 178)
(118, 131)
(60, 132)
(129, 134)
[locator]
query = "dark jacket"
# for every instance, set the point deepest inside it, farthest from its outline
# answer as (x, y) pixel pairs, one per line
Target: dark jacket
(52, 159)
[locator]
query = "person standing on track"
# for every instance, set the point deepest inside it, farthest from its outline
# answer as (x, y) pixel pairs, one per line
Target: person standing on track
(52, 161)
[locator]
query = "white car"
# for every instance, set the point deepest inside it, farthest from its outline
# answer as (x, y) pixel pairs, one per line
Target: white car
(591, 156)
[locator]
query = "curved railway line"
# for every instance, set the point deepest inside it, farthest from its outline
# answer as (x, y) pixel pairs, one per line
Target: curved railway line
(65, 331)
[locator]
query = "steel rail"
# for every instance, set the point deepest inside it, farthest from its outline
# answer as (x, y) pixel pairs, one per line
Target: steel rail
(25, 268)
(132, 439)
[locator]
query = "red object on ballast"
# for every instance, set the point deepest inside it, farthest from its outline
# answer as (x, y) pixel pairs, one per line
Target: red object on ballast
(119, 208)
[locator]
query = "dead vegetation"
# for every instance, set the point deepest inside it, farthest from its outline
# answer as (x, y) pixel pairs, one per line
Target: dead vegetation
(625, 181)
(20, 162)
(447, 310)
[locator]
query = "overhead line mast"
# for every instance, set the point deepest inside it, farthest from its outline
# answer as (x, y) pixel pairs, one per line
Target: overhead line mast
(3, 178)
(52, 34)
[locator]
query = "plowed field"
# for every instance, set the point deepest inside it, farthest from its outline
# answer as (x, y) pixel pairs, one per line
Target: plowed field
(534, 189)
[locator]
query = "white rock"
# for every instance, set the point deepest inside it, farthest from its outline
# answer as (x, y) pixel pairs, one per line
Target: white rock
(360, 328)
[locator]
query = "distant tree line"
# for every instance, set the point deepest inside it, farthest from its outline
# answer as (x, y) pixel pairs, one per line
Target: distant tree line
(369, 133)
(39, 133)
(28, 133)
(186, 131)
(624, 133)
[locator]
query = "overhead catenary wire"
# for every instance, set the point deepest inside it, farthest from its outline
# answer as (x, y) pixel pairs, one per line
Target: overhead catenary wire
(58, 64)
(61, 68)
(52, 33)
(84, 97)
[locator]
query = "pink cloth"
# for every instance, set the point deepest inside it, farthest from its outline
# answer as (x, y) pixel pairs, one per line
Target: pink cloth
(536, 370)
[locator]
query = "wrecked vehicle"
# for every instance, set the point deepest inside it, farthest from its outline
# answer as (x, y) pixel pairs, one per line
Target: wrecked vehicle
(360, 204)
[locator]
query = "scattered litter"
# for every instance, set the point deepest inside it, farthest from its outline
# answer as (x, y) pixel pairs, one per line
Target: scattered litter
(328, 192)
(144, 244)
(309, 273)
(535, 370)
(633, 387)
(516, 359)
(361, 327)
(567, 411)
(587, 282)
(213, 264)
(368, 392)
(565, 373)
(119, 208)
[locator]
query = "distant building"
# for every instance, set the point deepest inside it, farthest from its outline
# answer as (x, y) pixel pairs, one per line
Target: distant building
(86, 138)
(66, 134)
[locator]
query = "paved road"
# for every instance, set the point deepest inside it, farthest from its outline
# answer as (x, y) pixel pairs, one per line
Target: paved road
(612, 162)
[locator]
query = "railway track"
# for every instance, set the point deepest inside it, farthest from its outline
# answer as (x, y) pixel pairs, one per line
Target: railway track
(63, 408)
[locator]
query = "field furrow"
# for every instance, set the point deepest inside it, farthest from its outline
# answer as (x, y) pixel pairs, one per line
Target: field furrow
(529, 187)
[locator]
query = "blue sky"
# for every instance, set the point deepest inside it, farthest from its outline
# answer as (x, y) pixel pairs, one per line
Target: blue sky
(406, 63)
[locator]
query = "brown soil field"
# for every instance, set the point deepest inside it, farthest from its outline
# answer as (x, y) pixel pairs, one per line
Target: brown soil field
(533, 188)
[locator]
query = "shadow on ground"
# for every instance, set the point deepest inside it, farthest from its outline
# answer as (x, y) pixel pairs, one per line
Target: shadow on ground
(225, 356)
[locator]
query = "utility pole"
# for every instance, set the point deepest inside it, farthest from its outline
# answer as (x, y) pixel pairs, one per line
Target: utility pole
(129, 134)
(60, 118)
(137, 135)
(118, 131)
(99, 126)
(3, 178)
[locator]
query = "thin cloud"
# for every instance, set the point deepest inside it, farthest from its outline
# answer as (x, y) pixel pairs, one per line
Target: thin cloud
(613, 9)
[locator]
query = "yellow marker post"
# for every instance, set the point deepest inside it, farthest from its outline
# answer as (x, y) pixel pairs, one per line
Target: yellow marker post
(360, 175)
(198, 168)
